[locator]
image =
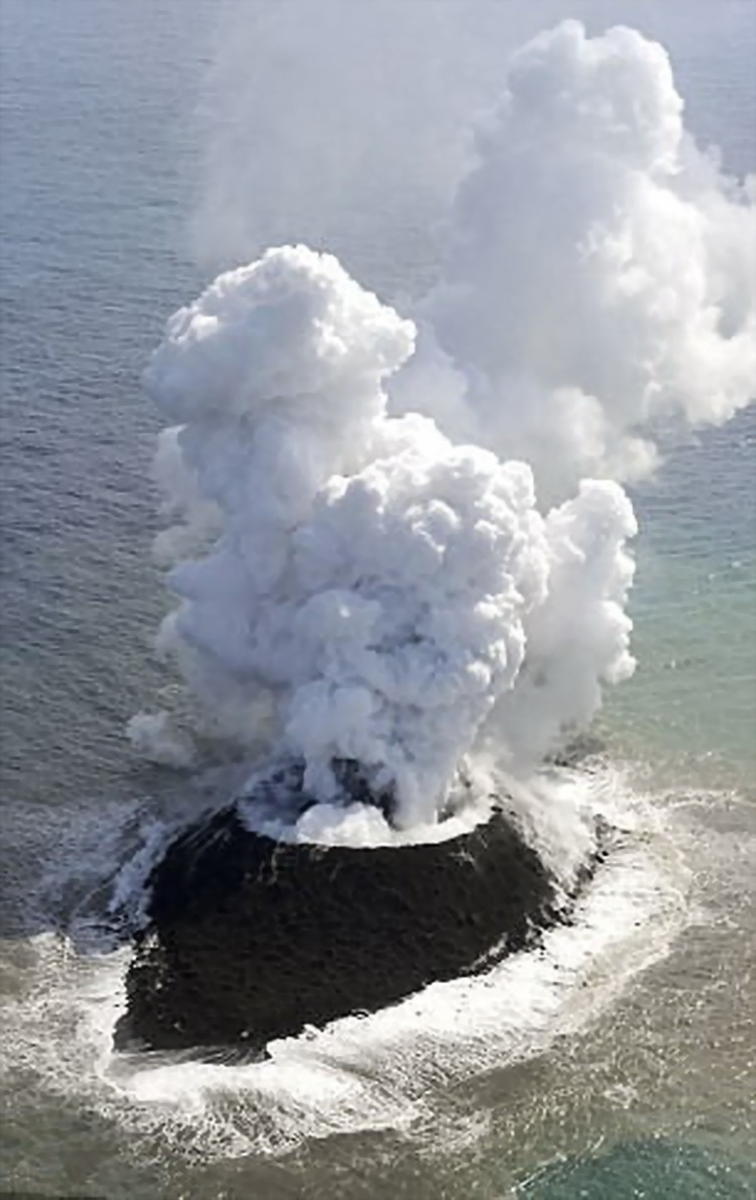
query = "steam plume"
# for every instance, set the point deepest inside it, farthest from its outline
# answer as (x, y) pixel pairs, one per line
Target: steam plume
(372, 584)
(361, 582)
(599, 274)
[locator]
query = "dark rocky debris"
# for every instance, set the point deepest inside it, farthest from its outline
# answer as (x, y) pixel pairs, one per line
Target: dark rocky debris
(251, 939)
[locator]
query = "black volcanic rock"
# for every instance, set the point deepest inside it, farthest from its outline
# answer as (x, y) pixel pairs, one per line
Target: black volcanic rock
(251, 939)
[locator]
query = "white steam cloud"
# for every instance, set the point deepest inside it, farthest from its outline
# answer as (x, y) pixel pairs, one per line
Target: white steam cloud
(599, 283)
(360, 582)
(374, 587)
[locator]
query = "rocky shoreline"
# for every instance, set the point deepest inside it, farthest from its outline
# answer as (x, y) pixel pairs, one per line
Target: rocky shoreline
(250, 939)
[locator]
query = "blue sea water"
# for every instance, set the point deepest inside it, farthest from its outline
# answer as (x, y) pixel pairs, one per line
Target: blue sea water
(101, 164)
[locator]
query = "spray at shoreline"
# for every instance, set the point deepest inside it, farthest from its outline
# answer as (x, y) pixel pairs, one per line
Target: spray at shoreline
(398, 544)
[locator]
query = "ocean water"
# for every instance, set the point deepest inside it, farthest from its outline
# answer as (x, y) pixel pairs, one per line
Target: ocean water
(621, 1059)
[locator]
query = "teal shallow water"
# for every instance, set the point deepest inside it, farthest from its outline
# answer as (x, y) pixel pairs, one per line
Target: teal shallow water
(638, 1170)
(690, 706)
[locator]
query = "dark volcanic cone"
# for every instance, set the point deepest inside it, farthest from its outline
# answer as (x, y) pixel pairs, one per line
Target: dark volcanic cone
(252, 939)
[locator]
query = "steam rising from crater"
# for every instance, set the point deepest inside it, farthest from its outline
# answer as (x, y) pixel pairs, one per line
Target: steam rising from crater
(373, 587)
(361, 582)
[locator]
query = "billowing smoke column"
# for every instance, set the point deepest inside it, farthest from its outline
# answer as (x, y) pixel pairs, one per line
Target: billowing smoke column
(372, 584)
(599, 274)
(362, 587)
